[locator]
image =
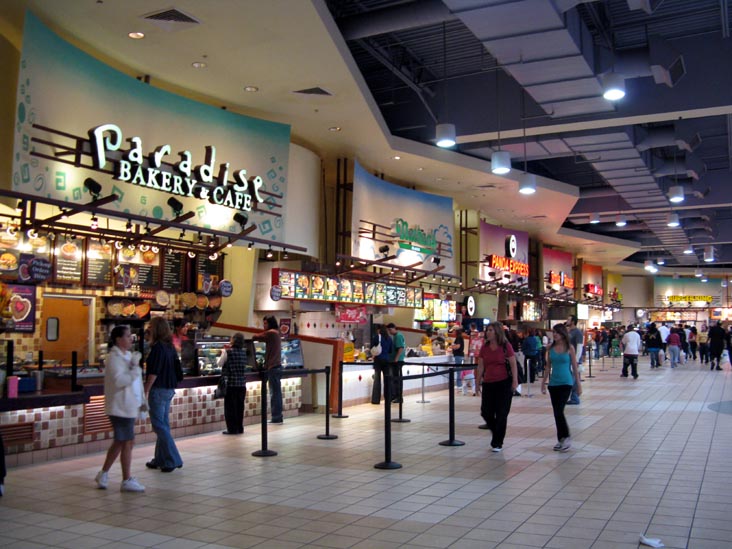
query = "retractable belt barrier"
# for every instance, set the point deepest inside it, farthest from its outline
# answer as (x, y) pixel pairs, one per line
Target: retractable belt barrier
(263, 376)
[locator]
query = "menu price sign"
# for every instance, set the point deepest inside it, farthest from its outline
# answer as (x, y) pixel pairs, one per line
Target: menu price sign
(391, 295)
(287, 283)
(401, 296)
(143, 267)
(380, 294)
(208, 273)
(331, 289)
(68, 261)
(317, 287)
(302, 286)
(418, 298)
(369, 295)
(174, 265)
(98, 263)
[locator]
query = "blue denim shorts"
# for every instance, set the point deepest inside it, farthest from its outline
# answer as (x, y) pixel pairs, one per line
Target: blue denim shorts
(124, 428)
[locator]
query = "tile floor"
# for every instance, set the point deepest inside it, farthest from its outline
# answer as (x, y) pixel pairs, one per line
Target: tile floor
(650, 456)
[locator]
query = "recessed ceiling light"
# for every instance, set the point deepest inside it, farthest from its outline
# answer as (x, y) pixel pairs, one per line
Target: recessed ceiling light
(334, 129)
(199, 65)
(397, 158)
(136, 35)
(251, 89)
(420, 169)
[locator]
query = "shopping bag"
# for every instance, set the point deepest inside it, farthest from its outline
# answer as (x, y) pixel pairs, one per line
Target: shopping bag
(725, 358)
(661, 356)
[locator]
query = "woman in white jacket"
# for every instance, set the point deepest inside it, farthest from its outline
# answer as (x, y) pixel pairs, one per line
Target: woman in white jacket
(123, 393)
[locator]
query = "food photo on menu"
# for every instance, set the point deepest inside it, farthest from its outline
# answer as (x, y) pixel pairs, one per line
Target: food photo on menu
(346, 292)
(331, 288)
(302, 285)
(318, 283)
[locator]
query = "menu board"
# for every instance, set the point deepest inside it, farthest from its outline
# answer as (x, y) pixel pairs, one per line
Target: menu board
(317, 287)
(174, 265)
(9, 254)
(410, 297)
(302, 286)
(208, 273)
(287, 283)
(380, 294)
(418, 299)
(358, 291)
(98, 263)
(142, 267)
(69, 260)
(391, 295)
(369, 293)
(401, 296)
(346, 291)
(331, 289)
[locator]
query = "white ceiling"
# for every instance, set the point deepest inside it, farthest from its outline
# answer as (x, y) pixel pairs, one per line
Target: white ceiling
(285, 45)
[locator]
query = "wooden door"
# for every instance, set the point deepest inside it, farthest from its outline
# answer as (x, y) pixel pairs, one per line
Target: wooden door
(73, 328)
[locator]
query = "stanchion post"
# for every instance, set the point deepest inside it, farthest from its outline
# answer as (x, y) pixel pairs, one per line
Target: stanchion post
(423, 401)
(264, 452)
(9, 360)
(327, 435)
(340, 415)
(387, 463)
(527, 377)
(400, 419)
(589, 364)
(451, 421)
(74, 371)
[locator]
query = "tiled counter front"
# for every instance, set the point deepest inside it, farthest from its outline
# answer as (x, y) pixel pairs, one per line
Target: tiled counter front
(43, 434)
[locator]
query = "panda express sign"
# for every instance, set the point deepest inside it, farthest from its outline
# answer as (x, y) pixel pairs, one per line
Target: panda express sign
(205, 181)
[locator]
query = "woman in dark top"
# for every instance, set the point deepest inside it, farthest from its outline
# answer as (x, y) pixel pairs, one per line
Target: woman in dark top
(160, 388)
(494, 383)
(381, 361)
(233, 362)
(273, 364)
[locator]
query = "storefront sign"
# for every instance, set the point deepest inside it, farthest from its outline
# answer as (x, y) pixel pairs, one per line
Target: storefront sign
(560, 279)
(508, 265)
(558, 266)
(686, 292)
(594, 289)
(415, 238)
(506, 251)
(689, 298)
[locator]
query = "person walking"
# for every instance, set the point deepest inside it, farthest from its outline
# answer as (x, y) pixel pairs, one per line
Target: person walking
(576, 340)
(702, 338)
(631, 343)
(717, 340)
(562, 374)
(531, 346)
(273, 365)
(122, 403)
(398, 353)
(673, 344)
(693, 345)
(381, 361)
(160, 388)
(233, 364)
(497, 375)
(653, 345)
(458, 357)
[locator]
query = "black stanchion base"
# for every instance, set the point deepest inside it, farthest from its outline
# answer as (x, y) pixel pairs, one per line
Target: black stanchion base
(388, 465)
(422, 401)
(401, 420)
(264, 453)
(327, 437)
(339, 416)
(589, 377)
(452, 443)
(484, 427)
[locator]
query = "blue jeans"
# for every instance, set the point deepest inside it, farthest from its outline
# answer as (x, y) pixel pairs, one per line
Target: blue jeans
(458, 360)
(653, 352)
(166, 453)
(275, 389)
(674, 352)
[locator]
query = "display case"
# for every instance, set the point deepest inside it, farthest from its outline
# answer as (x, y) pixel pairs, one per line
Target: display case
(208, 351)
(291, 353)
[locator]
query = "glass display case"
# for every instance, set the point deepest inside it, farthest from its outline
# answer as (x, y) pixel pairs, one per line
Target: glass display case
(208, 351)
(291, 353)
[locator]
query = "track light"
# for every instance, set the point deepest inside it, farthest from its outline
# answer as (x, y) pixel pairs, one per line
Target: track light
(251, 245)
(129, 226)
(212, 242)
(698, 273)
(445, 135)
(93, 187)
(31, 233)
(147, 228)
(338, 263)
(613, 86)
(270, 253)
(436, 260)
(20, 206)
(200, 238)
(94, 223)
(620, 221)
(285, 255)
(708, 254)
(182, 234)
(175, 205)
(214, 256)
(676, 193)
(10, 230)
(64, 214)
(500, 162)
(241, 219)
(131, 246)
(191, 254)
(527, 184)
(672, 220)
(229, 244)
(594, 219)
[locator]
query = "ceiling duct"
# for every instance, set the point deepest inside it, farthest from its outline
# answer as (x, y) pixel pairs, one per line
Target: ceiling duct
(691, 166)
(392, 19)
(648, 6)
(660, 60)
(664, 136)
(171, 19)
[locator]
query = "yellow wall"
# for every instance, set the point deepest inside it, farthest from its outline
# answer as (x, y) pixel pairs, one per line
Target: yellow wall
(240, 268)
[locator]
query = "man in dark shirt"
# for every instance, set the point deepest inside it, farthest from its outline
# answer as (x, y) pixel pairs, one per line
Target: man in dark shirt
(273, 364)
(717, 340)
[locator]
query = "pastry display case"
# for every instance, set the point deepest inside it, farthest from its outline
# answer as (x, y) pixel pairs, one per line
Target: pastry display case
(209, 349)
(291, 353)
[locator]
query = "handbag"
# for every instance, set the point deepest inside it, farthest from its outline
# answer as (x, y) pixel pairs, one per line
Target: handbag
(376, 349)
(220, 391)
(519, 370)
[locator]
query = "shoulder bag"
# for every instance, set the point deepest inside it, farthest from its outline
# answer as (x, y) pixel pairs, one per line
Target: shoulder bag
(376, 349)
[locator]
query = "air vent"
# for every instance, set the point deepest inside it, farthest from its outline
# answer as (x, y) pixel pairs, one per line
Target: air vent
(171, 16)
(313, 91)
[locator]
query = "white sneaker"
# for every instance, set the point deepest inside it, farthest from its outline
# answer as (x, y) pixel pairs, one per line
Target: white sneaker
(131, 485)
(496, 449)
(558, 445)
(102, 479)
(566, 444)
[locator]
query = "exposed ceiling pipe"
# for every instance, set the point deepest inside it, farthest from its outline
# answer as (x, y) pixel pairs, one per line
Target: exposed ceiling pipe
(665, 136)
(396, 18)
(691, 166)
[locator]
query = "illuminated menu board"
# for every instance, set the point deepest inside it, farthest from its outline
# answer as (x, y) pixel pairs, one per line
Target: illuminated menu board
(317, 287)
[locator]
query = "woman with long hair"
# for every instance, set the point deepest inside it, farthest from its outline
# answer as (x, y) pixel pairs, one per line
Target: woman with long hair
(562, 374)
(381, 361)
(496, 386)
(273, 364)
(121, 403)
(160, 388)
(233, 362)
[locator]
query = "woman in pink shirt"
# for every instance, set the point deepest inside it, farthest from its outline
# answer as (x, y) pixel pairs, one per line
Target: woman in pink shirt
(674, 347)
(494, 385)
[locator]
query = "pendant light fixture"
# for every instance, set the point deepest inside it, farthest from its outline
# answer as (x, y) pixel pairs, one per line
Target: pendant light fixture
(661, 261)
(676, 191)
(689, 249)
(620, 220)
(708, 254)
(613, 86)
(698, 273)
(445, 133)
(527, 182)
(500, 160)
(594, 219)
(672, 220)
